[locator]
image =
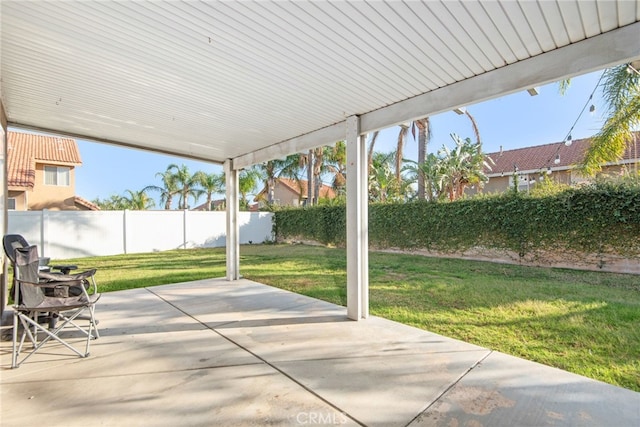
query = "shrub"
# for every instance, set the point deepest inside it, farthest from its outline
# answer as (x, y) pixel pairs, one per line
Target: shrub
(598, 218)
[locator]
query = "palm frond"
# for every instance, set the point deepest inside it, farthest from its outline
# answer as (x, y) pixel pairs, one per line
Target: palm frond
(609, 144)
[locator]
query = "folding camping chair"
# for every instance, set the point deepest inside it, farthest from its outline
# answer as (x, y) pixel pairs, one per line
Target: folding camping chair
(11, 242)
(30, 300)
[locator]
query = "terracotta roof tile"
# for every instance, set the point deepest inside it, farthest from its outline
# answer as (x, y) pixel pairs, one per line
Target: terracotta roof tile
(543, 156)
(87, 204)
(301, 187)
(24, 150)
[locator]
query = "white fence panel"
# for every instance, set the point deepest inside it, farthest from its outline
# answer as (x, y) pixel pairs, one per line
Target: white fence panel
(152, 231)
(206, 229)
(28, 224)
(76, 234)
(255, 227)
(73, 234)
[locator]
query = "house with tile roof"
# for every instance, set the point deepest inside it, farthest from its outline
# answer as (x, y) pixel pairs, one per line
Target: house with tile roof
(291, 192)
(41, 173)
(556, 160)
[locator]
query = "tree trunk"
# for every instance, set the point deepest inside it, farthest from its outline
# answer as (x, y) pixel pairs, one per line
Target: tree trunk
(310, 178)
(400, 151)
(270, 188)
(372, 144)
(423, 129)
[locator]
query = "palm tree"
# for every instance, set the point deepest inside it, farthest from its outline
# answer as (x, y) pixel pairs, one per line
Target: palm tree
(430, 173)
(211, 183)
(336, 157)
(402, 136)
(168, 190)
(424, 136)
(383, 184)
(474, 126)
(372, 143)
(321, 167)
(139, 200)
(186, 183)
(321, 161)
(330, 161)
(621, 93)
(461, 167)
(273, 169)
(248, 180)
(270, 170)
(288, 167)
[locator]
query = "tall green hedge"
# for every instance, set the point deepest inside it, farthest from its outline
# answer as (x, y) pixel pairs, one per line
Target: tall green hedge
(602, 218)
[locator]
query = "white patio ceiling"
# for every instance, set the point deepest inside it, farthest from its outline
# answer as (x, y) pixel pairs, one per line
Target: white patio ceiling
(257, 80)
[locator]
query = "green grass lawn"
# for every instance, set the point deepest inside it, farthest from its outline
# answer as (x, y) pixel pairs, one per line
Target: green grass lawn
(583, 322)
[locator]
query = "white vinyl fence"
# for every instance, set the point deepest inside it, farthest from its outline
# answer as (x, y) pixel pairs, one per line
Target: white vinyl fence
(75, 234)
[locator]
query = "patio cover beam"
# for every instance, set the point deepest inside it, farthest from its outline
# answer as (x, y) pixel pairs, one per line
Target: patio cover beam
(598, 52)
(3, 209)
(233, 230)
(357, 223)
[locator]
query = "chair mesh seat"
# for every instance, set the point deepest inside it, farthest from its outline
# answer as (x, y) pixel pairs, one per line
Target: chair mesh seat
(58, 304)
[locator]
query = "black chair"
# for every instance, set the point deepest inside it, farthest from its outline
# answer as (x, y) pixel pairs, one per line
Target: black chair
(30, 291)
(15, 242)
(11, 242)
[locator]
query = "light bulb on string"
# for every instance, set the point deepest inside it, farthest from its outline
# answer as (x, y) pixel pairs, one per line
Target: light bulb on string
(568, 141)
(557, 159)
(592, 109)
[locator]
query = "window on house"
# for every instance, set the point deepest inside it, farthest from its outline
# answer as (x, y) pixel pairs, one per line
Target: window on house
(11, 204)
(56, 175)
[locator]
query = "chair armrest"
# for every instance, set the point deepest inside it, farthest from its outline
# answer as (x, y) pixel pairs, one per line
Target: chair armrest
(67, 277)
(86, 277)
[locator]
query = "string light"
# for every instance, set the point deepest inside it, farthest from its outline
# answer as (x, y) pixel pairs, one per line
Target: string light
(631, 68)
(568, 140)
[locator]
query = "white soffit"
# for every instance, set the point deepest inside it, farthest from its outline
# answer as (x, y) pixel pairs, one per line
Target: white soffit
(257, 80)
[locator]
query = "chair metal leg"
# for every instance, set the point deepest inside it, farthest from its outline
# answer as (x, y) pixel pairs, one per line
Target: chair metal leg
(50, 334)
(14, 356)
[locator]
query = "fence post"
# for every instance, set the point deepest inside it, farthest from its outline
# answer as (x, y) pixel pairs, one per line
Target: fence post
(184, 229)
(124, 231)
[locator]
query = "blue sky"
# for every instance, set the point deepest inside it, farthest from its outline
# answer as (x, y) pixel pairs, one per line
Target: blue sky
(514, 121)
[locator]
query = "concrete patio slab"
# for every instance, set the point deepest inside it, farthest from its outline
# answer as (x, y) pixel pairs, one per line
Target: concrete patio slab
(249, 395)
(387, 390)
(214, 352)
(506, 390)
